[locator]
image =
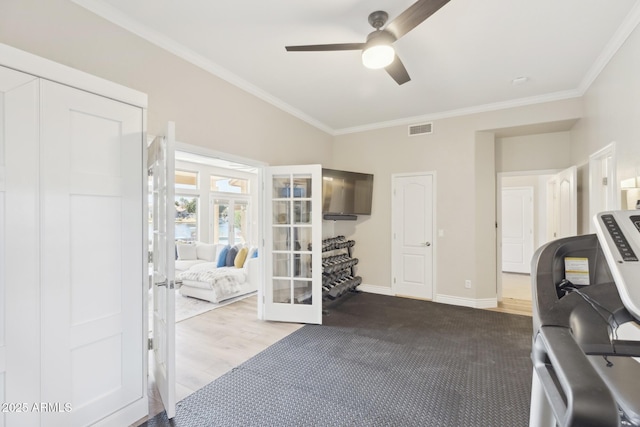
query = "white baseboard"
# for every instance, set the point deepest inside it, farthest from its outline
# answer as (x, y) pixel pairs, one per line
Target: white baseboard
(467, 302)
(375, 289)
(443, 299)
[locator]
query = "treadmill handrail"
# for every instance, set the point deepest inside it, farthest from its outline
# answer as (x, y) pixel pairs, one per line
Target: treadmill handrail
(588, 400)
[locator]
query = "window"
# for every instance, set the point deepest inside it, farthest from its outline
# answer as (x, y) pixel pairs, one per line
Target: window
(186, 180)
(225, 184)
(186, 223)
(230, 221)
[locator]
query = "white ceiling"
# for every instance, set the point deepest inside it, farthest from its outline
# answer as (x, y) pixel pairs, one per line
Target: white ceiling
(461, 60)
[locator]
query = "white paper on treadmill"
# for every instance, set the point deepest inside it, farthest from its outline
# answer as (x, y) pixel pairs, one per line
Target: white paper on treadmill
(626, 274)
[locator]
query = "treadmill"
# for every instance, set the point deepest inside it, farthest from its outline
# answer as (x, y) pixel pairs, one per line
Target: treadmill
(586, 327)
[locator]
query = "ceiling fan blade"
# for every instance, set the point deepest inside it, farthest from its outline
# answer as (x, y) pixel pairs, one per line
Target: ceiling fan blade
(325, 47)
(414, 16)
(397, 71)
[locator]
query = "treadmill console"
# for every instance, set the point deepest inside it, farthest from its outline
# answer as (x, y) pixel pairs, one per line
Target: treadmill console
(619, 236)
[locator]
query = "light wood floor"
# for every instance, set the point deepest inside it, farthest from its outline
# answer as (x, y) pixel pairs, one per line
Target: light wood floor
(516, 294)
(215, 342)
(209, 345)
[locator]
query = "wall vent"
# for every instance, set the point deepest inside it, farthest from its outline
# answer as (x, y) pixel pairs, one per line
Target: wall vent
(421, 129)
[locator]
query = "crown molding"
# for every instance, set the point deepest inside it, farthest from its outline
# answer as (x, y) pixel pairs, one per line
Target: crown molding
(520, 102)
(622, 33)
(118, 18)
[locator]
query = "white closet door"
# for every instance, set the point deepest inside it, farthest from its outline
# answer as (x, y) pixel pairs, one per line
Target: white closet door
(92, 257)
(19, 242)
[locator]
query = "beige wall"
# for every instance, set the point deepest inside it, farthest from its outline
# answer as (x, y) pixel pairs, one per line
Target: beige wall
(211, 113)
(208, 111)
(463, 159)
(534, 152)
(611, 113)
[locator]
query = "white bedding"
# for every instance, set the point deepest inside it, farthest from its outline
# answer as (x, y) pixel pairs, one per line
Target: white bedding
(223, 281)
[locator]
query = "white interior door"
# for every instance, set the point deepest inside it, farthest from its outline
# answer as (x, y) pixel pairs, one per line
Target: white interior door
(563, 216)
(92, 257)
(161, 162)
(293, 244)
(19, 246)
(517, 229)
(413, 249)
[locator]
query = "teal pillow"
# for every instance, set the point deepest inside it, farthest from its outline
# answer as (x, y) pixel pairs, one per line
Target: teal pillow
(222, 259)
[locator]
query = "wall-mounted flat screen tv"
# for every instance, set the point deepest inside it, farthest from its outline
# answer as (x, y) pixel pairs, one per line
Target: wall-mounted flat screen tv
(346, 193)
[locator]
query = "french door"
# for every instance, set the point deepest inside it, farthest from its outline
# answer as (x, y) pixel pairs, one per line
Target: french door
(293, 218)
(161, 165)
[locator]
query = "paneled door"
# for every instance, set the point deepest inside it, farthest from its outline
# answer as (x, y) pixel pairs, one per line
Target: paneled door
(293, 285)
(161, 162)
(19, 247)
(517, 229)
(412, 235)
(93, 276)
(563, 207)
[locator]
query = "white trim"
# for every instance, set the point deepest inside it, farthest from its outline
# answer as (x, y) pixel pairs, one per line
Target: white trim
(25, 62)
(539, 99)
(616, 42)
(208, 152)
(113, 15)
(434, 208)
(595, 158)
(467, 302)
(110, 13)
(500, 176)
(376, 289)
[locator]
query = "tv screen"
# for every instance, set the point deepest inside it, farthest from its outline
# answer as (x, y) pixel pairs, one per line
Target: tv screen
(347, 193)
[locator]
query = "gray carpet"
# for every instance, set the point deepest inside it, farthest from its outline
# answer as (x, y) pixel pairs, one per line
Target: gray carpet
(378, 361)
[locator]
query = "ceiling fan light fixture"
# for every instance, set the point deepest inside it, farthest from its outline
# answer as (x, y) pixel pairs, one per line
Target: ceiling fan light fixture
(378, 56)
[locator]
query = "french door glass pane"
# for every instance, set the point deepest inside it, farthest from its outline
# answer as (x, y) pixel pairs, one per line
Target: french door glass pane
(302, 291)
(186, 222)
(281, 239)
(240, 222)
(292, 236)
(221, 221)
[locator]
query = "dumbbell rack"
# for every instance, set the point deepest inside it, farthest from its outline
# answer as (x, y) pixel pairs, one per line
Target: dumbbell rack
(338, 267)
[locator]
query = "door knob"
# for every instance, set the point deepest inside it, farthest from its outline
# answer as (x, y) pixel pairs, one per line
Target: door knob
(427, 243)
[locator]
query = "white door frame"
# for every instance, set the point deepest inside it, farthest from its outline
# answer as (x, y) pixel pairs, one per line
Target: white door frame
(257, 202)
(603, 196)
(434, 246)
(502, 175)
(43, 68)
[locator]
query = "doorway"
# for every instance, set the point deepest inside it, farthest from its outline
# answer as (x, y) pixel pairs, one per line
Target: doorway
(203, 175)
(413, 222)
(522, 205)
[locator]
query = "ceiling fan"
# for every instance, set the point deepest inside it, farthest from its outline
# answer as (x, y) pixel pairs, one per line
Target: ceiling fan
(377, 51)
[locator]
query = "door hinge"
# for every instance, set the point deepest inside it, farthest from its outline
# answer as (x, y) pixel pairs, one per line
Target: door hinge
(394, 280)
(150, 344)
(605, 181)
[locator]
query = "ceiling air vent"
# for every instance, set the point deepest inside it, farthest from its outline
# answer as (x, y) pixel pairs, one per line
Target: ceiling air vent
(421, 129)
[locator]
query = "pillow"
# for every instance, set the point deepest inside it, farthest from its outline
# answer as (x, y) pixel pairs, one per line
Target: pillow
(222, 259)
(231, 256)
(241, 258)
(206, 251)
(253, 253)
(186, 252)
